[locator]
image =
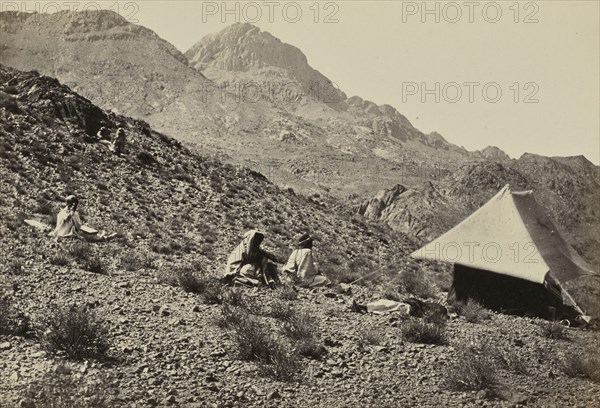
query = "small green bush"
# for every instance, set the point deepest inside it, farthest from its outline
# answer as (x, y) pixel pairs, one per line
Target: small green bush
(507, 358)
(255, 341)
(281, 310)
(369, 336)
(311, 348)
(209, 288)
(80, 251)
(15, 267)
(190, 282)
(233, 297)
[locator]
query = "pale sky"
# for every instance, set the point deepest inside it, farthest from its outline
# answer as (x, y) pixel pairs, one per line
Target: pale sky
(383, 51)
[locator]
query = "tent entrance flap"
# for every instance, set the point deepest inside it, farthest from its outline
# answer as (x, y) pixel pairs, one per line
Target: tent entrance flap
(506, 293)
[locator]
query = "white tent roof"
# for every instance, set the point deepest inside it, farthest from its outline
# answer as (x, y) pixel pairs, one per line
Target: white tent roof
(509, 235)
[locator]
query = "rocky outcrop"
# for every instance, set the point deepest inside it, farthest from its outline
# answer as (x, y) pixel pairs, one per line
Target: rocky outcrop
(493, 153)
(243, 47)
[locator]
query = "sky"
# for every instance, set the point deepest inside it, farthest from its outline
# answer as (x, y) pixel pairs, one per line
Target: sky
(523, 76)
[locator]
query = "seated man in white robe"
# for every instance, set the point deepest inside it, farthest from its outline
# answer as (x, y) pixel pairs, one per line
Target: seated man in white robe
(68, 223)
(300, 266)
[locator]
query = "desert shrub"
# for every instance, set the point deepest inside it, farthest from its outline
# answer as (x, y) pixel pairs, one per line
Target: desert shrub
(162, 248)
(212, 294)
(80, 251)
(8, 102)
(281, 364)
(553, 330)
(184, 177)
(255, 341)
(413, 281)
(506, 357)
(511, 359)
(146, 158)
(62, 388)
(420, 331)
(60, 259)
(233, 297)
(311, 348)
(209, 288)
(131, 261)
(369, 336)
(75, 331)
(582, 365)
(253, 305)
(471, 371)
(230, 317)
(253, 338)
(189, 281)
(300, 326)
(473, 311)
(43, 207)
(281, 310)
(12, 322)
(95, 264)
(288, 293)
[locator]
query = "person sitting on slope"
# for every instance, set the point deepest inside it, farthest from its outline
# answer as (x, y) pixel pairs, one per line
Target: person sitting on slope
(249, 264)
(68, 222)
(300, 266)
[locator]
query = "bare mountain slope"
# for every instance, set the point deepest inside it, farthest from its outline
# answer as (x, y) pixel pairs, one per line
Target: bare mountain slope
(129, 69)
(257, 109)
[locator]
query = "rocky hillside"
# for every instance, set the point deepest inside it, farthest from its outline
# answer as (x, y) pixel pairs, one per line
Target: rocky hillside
(253, 110)
(569, 188)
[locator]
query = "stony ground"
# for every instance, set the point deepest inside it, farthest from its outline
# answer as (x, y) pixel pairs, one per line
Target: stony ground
(168, 351)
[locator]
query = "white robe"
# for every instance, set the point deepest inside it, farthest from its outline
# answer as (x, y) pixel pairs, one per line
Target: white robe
(68, 223)
(302, 267)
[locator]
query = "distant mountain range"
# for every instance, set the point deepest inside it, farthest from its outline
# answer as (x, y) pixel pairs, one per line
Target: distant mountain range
(262, 105)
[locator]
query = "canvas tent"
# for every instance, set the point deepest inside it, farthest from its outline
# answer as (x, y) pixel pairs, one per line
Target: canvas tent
(509, 255)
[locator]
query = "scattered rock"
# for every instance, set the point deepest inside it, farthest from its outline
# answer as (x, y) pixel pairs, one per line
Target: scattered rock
(5, 346)
(274, 395)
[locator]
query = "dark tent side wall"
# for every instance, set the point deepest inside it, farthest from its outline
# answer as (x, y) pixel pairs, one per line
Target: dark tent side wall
(506, 294)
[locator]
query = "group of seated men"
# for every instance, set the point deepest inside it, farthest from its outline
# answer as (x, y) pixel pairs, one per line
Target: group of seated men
(248, 264)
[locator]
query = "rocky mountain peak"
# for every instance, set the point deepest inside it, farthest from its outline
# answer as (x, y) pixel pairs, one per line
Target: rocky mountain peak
(493, 153)
(244, 48)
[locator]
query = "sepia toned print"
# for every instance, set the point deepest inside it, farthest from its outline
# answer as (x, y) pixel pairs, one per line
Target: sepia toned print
(299, 203)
